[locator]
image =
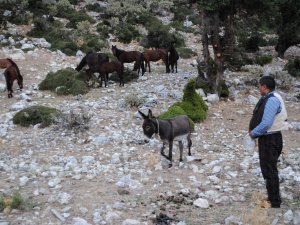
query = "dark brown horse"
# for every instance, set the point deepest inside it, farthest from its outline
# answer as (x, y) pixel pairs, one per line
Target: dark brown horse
(129, 57)
(5, 63)
(173, 57)
(105, 68)
(12, 73)
(155, 55)
(92, 59)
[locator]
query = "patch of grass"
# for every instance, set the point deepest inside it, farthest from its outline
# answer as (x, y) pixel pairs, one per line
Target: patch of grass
(15, 201)
(263, 60)
(64, 82)
(174, 111)
(186, 53)
(36, 115)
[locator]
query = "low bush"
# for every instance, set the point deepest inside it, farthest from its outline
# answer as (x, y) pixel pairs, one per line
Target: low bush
(77, 122)
(178, 25)
(174, 111)
(15, 201)
(103, 30)
(224, 89)
(126, 33)
(293, 67)
(186, 53)
(263, 60)
(36, 115)
(95, 7)
(64, 82)
(133, 100)
(128, 75)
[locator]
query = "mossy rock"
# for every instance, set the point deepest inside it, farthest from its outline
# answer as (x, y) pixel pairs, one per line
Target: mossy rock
(174, 111)
(64, 82)
(36, 115)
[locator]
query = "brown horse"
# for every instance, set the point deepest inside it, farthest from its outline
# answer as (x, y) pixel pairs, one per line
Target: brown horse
(12, 73)
(129, 57)
(155, 55)
(5, 63)
(92, 59)
(105, 68)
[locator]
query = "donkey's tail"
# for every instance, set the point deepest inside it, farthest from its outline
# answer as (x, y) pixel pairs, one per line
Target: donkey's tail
(16, 66)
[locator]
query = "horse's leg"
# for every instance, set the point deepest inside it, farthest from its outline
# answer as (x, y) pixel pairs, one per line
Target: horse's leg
(149, 66)
(8, 84)
(176, 66)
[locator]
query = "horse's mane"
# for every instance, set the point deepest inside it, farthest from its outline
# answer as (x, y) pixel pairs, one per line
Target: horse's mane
(15, 65)
(119, 52)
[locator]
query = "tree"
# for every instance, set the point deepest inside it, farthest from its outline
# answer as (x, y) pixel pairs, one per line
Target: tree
(289, 25)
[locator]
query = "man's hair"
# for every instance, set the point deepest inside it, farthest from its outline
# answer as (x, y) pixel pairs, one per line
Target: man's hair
(268, 81)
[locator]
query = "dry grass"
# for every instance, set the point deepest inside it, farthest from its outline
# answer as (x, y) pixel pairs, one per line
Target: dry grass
(259, 214)
(152, 160)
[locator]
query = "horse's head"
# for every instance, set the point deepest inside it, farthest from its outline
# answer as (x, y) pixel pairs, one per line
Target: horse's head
(114, 49)
(148, 125)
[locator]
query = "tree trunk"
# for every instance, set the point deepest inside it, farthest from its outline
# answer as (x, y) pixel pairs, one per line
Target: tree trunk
(205, 31)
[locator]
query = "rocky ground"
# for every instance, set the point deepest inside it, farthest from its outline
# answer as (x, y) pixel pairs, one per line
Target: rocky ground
(108, 174)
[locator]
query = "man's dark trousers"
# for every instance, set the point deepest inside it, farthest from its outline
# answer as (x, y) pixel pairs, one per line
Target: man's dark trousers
(270, 148)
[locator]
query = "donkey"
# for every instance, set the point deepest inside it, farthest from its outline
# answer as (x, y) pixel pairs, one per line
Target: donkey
(169, 130)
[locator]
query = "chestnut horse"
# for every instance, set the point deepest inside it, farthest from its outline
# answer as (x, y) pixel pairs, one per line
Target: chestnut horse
(154, 55)
(105, 68)
(92, 59)
(11, 73)
(129, 57)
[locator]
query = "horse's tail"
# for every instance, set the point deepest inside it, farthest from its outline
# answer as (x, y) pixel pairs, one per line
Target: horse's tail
(16, 66)
(142, 59)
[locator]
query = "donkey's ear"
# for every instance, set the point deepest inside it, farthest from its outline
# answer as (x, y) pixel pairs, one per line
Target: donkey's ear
(143, 115)
(150, 114)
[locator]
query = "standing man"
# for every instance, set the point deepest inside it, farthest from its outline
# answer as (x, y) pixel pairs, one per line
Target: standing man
(268, 120)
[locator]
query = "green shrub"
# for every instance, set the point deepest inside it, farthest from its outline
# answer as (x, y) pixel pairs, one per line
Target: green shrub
(64, 82)
(128, 76)
(35, 115)
(264, 59)
(186, 53)
(293, 67)
(17, 201)
(174, 111)
(126, 33)
(192, 103)
(103, 30)
(75, 17)
(95, 7)
(178, 25)
(224, 89)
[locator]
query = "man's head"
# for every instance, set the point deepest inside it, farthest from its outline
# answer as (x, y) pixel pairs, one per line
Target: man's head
(266, 84)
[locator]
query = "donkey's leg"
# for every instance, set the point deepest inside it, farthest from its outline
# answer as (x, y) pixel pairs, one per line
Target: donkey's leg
(170, 152)
(189, 143)
(181, 150)
(162, 150)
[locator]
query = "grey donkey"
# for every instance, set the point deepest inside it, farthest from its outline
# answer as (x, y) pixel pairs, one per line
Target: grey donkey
(169, 130)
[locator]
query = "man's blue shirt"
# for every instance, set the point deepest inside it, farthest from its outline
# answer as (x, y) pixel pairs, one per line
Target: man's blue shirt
(272, 107)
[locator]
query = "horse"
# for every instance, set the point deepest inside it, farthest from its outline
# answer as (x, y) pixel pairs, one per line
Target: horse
(5, 63)
(129, 57)
(108, 67)
(92, 59)
(12, 73)
(154, 55)
(173, 57)
(169, 130)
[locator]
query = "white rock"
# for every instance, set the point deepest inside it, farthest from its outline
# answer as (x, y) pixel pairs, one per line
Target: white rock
(213, 98)
(18, 106)
(53, 182)
(131, 222)
(27, 46)
(288, 216)
(127, 181)
(251, 100)
(23, 181)
(79, 53)
(79, 221)
(201, 92)
(297, 218)
(201, 202)
(64, 198)
(88, 159)
(2, 86)
(233, 220)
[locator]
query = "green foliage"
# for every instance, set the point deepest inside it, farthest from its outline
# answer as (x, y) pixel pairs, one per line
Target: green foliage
(224, 89)
(237, 60)
(193, 103)
(212, 5)
(126, 33)
(128, 76)
(2, 205)
(293, 67)
(264, 59)
(35, 115)
(95, 7)
(75, 17)
(103, 30)
(174, 111)
(186, 53)
(159, 36)
(17, 201)
(178, 25)
(64, 82)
